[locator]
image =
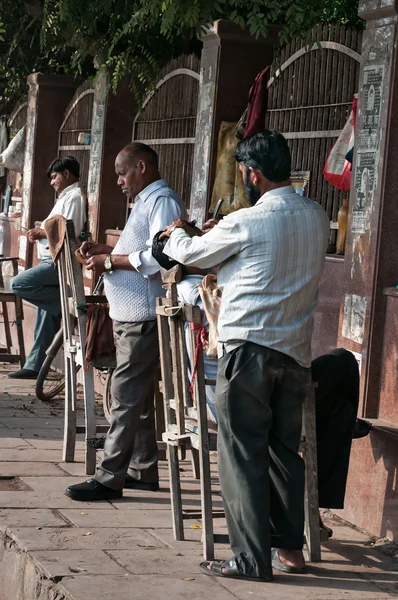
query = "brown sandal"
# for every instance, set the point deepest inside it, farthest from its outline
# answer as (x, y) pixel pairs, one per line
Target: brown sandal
(214, 568)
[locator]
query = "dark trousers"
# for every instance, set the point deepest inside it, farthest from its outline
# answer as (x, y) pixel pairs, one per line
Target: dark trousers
(130, 446)
(337, 399)
(259, 397)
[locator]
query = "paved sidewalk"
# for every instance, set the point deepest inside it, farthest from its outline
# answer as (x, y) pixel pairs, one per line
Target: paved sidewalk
(54, 548)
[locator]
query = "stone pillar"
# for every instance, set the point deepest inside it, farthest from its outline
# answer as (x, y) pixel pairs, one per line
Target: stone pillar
(371, 259)
(113, 118)
(231, 59)
(48, 98)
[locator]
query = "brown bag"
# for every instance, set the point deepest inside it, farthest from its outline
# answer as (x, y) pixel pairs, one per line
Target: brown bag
(228, 183)
(100, 343)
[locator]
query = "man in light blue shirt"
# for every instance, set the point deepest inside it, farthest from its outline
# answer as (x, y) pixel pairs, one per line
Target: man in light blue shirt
(271, 257)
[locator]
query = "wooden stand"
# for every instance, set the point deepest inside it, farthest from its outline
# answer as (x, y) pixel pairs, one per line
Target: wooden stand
(74, 317)
(185, 417)
(6, 297)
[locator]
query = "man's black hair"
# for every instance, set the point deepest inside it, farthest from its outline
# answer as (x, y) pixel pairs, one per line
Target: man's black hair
(268, 152)
(64, 163)
(138, 151)
(158, 254)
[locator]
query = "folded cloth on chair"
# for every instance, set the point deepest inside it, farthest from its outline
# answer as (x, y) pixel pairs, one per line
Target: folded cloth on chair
(55, 229)
(100, 342)
(211, 297)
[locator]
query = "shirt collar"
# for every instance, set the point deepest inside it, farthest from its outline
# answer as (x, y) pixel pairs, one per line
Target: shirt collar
(69, 189)
(152, 187)
(282, 191)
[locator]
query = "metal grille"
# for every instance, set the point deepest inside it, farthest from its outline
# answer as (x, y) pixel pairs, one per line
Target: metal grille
(78, 118)
(167, 122)
(310, 100)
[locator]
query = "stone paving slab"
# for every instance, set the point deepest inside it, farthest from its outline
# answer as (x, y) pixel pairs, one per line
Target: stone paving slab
(141, 519)
(54, 485)
(62, 563)
(19, 469)
(14, 442)
(38, 499)
(40, 517)
(31, 434)
(145, 587)
(118, 538)
(34, 455)
(32, 422)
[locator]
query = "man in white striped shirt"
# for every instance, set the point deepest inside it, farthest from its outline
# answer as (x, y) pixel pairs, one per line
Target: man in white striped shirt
(270, 259)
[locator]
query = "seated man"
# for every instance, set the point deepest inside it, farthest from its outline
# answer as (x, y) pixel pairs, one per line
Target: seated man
(336, 397)
(39, 285)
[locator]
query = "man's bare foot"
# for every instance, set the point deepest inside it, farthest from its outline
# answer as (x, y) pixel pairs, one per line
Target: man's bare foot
(292, 558)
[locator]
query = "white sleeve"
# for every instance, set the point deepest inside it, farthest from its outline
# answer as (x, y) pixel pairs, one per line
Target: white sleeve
(75, 209)
(165, 211)
(207, 251)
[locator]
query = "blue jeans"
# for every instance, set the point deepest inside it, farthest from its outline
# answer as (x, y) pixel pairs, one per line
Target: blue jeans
(40, 286)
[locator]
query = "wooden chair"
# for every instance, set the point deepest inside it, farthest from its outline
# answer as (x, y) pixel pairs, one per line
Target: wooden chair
(74, 318)
(187, 427)
(7, 296)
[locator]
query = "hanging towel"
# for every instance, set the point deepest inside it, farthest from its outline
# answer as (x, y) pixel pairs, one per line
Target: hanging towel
(257, 105)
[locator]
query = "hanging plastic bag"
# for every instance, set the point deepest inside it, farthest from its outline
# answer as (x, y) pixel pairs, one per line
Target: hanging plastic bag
(13, 156)
(337, 170)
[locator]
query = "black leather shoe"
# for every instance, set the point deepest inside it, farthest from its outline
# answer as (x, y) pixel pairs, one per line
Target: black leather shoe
(92, 490)
(135, 484)
(23, 374)
(361, 429)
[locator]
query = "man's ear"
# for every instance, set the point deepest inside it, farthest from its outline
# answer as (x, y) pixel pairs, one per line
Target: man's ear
(141, 165)
(66, 173)
(255, 176)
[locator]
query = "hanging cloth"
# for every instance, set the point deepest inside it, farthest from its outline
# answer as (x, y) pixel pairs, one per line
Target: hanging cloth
(257, 105)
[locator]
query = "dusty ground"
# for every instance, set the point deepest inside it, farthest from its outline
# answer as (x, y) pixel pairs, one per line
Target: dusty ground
(52, 547)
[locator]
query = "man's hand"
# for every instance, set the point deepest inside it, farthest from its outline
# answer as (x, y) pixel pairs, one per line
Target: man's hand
(96, 263)
(209, 225)
(89, 249)
(190, 229)
(36, 234)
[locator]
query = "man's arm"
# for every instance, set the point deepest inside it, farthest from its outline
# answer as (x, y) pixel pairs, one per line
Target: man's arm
(209, 250)
(165, 211)
(36, 234)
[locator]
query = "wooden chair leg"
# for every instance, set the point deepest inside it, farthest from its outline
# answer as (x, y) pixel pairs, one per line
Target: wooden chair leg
(195, 463)
(204, 460)
(19, 325)
(70, 416)
(7, 329)
(311, 505)
(91, 428)
(175, 491)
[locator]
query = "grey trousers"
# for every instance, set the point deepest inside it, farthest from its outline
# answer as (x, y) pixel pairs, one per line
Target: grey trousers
(40, 286)
(259, 396)
(130, 446)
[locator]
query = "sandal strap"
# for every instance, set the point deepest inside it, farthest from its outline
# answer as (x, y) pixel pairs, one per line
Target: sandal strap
(231, 566)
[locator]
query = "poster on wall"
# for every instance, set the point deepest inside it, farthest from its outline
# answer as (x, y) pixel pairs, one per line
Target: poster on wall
(368, 146)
